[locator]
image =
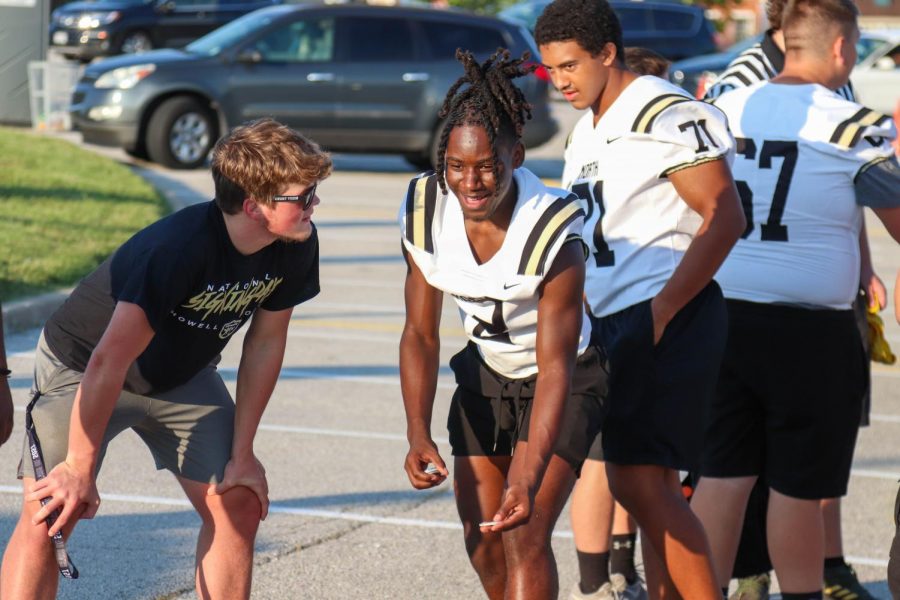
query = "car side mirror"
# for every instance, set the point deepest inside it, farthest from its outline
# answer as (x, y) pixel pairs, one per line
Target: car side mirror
(885, 63)
(165, 6)
(249, 57)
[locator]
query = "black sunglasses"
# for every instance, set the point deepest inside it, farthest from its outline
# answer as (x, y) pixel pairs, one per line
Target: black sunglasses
(306, 198)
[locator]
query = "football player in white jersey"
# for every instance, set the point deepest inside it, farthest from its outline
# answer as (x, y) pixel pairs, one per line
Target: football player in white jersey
(651, 163)
(760, 63)
(528, 402)
(804, 172)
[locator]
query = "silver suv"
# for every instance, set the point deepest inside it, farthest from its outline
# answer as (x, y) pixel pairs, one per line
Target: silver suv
(355, 78)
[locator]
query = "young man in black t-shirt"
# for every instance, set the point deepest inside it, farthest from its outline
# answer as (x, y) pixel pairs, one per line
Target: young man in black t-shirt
(135, 346)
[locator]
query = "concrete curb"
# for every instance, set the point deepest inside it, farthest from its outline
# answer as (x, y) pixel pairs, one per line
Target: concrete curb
(28, 313)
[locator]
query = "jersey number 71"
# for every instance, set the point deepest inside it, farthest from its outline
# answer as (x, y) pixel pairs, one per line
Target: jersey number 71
(602, 255)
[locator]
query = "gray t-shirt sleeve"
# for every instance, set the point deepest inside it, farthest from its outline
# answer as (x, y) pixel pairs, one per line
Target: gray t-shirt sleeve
(878, 184)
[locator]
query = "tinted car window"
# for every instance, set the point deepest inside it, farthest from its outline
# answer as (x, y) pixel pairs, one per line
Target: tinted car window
(633, 19)
(444, 38)
(372, 40)
(310, 40)
(673, 20)
(232, 33)
(193, 3)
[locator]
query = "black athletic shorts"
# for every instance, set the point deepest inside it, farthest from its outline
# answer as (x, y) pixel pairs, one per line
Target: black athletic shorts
(658, 395)
(789, 398)
(490, 413)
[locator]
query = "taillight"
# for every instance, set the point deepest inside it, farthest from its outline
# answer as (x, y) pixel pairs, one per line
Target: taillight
(704, 82)
(541, 73)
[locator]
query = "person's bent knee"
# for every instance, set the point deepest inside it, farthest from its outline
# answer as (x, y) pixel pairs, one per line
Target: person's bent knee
(524, 545)
(239, 506)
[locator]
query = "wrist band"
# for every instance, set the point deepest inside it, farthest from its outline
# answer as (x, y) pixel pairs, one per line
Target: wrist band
(5, 373)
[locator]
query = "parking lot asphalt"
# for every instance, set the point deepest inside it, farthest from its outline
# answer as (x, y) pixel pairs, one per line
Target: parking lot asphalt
(344, 521)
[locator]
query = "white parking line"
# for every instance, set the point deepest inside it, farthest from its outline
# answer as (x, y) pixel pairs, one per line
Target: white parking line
(275, 508)
(885, 418)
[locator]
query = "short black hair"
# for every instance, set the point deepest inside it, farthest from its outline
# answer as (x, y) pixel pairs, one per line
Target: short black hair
(591, 23)
(490, 101)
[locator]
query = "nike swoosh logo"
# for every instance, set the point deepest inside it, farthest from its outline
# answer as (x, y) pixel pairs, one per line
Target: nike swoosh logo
(507, 286)
(612, 139)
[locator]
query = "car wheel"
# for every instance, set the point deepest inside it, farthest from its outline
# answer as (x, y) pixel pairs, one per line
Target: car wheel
(135, 42)
(181, 133)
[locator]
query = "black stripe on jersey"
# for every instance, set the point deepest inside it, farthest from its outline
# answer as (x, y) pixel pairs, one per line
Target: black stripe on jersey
(742, 78)
(644, 121)
(546, 230)
(421, 199)
(748, 64)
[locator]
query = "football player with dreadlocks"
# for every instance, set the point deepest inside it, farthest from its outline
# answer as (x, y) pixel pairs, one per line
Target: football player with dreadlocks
(509, 251)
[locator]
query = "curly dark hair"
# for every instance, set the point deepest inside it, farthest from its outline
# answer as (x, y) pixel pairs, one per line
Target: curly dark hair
(591, 23)
(490, 101)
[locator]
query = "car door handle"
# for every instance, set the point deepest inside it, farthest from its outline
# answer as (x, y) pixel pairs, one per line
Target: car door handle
(320, 77)
(410, 77)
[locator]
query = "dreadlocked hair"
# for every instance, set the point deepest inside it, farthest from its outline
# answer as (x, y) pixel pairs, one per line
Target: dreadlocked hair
(490, 101)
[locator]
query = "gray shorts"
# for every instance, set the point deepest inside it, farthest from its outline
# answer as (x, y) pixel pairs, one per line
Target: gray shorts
(188, 429)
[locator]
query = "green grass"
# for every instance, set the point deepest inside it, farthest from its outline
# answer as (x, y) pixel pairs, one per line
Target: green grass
(63, 210)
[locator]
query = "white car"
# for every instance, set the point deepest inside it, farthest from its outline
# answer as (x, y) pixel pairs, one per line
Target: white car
(876, 76)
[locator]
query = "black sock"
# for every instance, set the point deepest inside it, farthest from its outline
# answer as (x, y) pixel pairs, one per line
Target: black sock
(621, 557)
(594, 570)
(816, 595)
(834, 561)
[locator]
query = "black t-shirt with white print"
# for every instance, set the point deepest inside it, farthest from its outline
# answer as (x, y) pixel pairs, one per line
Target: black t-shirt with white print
(194, 286)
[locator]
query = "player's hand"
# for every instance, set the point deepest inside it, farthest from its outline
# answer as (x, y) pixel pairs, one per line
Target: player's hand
(6, 411)
(71, 489)
(249, 473)
(875, 291)
(515, 508)
(422, 451)
(661, 318)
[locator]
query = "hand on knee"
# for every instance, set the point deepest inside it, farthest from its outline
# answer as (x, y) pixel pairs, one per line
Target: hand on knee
(239, 506)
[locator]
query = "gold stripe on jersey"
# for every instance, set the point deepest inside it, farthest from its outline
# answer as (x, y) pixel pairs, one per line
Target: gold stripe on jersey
(869, 165)
(420, 206)
(688, 165)
(847, 134)
(652, 109)
(546, 231)
(573, 237)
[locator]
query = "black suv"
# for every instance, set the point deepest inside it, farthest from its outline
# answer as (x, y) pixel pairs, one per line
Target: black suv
(675, 31)
(355, 78)
(86, 30)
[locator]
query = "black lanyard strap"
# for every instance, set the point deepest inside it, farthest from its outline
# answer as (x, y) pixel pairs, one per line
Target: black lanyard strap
(66, 567)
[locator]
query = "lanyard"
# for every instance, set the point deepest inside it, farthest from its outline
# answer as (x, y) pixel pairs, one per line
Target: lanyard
(66, 567)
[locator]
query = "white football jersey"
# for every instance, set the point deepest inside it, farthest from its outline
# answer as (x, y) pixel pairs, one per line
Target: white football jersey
(498, 299)
(800, 152)
(637, 226)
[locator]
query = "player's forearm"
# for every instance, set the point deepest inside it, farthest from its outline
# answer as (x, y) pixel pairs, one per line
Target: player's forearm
(552, 388)
(94, 403)
(257, 374)
(419, 363)
(708, 250)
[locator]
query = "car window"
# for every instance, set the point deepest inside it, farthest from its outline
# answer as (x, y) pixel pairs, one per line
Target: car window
(228, 35)
(673, 20)
(865, 46)
(633, 19)
(309, 40)
(192, 3)
(376, 39)
(444, 38)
